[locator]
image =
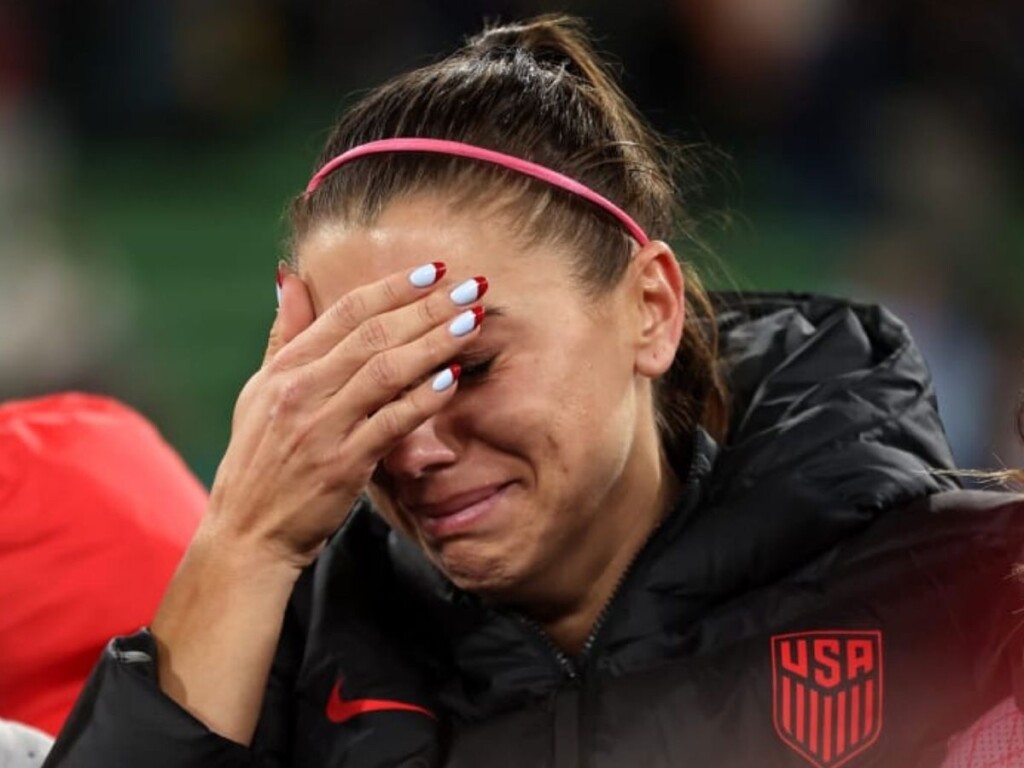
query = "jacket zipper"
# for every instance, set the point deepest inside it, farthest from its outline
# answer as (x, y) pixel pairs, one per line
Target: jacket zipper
(584, 655)
(574, 667)
(564, 661)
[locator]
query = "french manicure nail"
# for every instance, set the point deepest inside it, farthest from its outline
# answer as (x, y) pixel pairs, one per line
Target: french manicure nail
(428, 274)
(469, 291)
(466, 322)
(446, 378)
(280, 281)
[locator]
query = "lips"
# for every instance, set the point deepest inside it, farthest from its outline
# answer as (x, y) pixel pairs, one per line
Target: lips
(457, 513)
(450, 505)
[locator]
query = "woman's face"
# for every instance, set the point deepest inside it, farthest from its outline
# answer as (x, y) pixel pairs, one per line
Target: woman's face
(547, 441)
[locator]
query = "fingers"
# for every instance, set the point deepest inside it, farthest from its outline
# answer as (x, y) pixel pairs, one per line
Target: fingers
(376, 354)
(354, 309)
(377, 358)
(385, 375)
(374, 438)
(294, 313)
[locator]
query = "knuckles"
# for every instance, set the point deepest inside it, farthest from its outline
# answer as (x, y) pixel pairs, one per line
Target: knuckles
(436, 351)
(429, 312)
(391, 293)
(277, 364)
(289, 394)
(374, 334)
(390, 423)
(348, 311)
(340, 470)
(383, 372)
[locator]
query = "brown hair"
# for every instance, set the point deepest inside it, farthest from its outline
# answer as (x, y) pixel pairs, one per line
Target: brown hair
(536, 90)
(1016, 477)
(1011, 478)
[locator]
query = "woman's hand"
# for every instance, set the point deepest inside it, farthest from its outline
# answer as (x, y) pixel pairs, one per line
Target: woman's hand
(333, 396)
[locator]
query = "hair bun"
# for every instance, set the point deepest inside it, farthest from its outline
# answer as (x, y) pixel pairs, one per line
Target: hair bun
(553, 39)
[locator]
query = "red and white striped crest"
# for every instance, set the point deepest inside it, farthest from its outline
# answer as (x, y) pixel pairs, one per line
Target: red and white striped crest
(827, 691)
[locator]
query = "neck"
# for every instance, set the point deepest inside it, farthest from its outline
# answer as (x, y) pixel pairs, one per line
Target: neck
(570, 621)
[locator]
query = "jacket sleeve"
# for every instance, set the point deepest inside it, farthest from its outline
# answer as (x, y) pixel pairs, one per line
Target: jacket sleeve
(122, 717)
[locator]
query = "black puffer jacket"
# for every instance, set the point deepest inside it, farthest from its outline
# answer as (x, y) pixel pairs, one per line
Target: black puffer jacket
(821, 595)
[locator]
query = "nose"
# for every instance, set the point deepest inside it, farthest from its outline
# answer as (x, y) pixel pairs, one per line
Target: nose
(419, 452)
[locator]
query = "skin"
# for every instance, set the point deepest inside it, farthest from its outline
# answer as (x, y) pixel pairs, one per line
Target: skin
(557, 442)
(579, 467)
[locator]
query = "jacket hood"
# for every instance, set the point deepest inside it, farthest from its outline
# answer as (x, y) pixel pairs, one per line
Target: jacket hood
(814, 377)
(834, 423)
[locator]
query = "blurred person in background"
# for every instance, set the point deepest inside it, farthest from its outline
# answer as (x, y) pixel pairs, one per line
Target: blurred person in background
(600, 518)
(997, 739)
(61, 319)
(95, 512)
(887, 137)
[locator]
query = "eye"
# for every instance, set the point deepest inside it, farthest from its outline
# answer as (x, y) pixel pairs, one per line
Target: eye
(475, 369)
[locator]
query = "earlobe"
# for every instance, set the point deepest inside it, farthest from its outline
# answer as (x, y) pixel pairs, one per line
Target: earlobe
(660, 295)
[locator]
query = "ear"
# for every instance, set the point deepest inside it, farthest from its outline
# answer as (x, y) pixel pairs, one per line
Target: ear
(661, 302)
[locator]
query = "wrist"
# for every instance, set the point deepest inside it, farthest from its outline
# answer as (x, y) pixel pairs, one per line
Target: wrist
(241, 558)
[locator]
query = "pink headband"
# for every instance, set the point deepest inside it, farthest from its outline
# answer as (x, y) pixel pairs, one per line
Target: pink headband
(443, 147)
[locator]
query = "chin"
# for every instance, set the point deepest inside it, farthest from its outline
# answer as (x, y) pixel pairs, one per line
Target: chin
(474, 570)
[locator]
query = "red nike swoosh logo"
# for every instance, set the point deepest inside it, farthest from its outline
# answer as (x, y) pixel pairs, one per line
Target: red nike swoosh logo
(339, 710)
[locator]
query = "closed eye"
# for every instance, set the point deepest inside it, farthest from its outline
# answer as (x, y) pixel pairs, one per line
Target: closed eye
(475, 369)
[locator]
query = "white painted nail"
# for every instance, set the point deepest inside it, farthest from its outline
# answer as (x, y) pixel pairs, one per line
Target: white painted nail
(443, 380)
(469, 291)
(465, 322)
(427, 275)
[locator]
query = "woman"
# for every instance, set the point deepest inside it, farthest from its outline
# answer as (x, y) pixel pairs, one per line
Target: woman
(575, 545)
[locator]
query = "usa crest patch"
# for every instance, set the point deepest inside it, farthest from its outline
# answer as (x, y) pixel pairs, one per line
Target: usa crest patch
(827, 693)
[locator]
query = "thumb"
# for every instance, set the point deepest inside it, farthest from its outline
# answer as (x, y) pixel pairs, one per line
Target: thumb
(294, 312)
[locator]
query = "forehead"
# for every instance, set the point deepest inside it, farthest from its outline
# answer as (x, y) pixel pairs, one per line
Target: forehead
(336, 258)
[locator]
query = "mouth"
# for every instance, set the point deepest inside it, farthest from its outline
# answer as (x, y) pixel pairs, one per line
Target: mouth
(458, 513)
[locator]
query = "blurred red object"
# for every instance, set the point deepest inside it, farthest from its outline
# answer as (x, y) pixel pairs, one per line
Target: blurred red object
(96, 510)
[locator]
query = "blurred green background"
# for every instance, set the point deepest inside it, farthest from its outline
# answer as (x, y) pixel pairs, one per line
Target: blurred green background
(148, 150)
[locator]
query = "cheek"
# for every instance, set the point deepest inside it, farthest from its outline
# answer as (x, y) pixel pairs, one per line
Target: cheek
(562, 420)
(588, 433)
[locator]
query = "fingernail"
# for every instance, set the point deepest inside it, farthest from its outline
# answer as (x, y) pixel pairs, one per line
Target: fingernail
(467, 321)
(469, 291)
(428, 274)
(446, 378)
(280, 280)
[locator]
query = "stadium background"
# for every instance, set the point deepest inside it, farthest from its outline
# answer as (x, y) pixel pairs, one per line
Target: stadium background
(148, 150)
